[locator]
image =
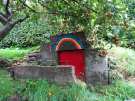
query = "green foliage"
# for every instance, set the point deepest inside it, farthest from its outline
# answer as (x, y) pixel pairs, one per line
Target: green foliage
(120, 89)
(41, 90)
(124, 59)
(101, 20)
(28, 34)
(6, 85)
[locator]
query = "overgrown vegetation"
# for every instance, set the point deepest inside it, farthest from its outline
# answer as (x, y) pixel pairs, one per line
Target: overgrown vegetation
(103, 21)
(41, 90)
(27, 34)
(6, 85)
(123, 60)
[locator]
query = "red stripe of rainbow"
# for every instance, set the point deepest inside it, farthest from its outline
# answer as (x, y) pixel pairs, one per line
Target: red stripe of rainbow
(74, 42)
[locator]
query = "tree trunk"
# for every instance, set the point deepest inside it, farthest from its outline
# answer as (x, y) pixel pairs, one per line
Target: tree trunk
(7, 21)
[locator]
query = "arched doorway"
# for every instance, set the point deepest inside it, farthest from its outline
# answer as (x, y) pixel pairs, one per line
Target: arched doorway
(72, 55)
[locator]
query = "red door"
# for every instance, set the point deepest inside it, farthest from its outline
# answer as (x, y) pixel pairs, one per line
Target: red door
(75, 58)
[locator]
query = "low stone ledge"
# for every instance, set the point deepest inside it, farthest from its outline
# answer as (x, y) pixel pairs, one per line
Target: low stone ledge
(60, 74)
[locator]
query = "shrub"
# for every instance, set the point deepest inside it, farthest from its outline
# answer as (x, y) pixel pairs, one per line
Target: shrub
(123, 60)
(28, 33)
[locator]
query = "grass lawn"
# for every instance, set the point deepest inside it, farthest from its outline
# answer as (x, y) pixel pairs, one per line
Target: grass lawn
(41, 90)
(15, 53)
(6, 85)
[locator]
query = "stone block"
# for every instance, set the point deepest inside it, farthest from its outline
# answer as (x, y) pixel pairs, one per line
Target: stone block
(60, 74)
(96, 68)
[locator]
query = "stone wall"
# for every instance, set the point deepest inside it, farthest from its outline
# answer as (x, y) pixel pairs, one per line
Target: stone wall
(96, 67)
(47, 56)
(60, 74)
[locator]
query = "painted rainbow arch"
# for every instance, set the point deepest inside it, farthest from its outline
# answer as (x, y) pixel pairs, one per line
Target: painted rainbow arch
(74, 42)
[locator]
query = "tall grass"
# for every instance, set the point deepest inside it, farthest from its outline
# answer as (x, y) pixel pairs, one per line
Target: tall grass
(41, 90)
(6, 85)
(125, 59)
(119, 89)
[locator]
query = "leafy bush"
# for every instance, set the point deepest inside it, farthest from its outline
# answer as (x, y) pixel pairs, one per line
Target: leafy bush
(124, 60)
(29, 33)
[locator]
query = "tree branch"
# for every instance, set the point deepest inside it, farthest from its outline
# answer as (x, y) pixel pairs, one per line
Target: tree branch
(86, 6)
(9, 26)
(23, 2)
(3, 20)
(20, 20)
(7, 9)
(43, 5)
(6, 20)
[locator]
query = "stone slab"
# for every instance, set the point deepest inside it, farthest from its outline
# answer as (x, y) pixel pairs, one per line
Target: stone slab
(60, 74)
